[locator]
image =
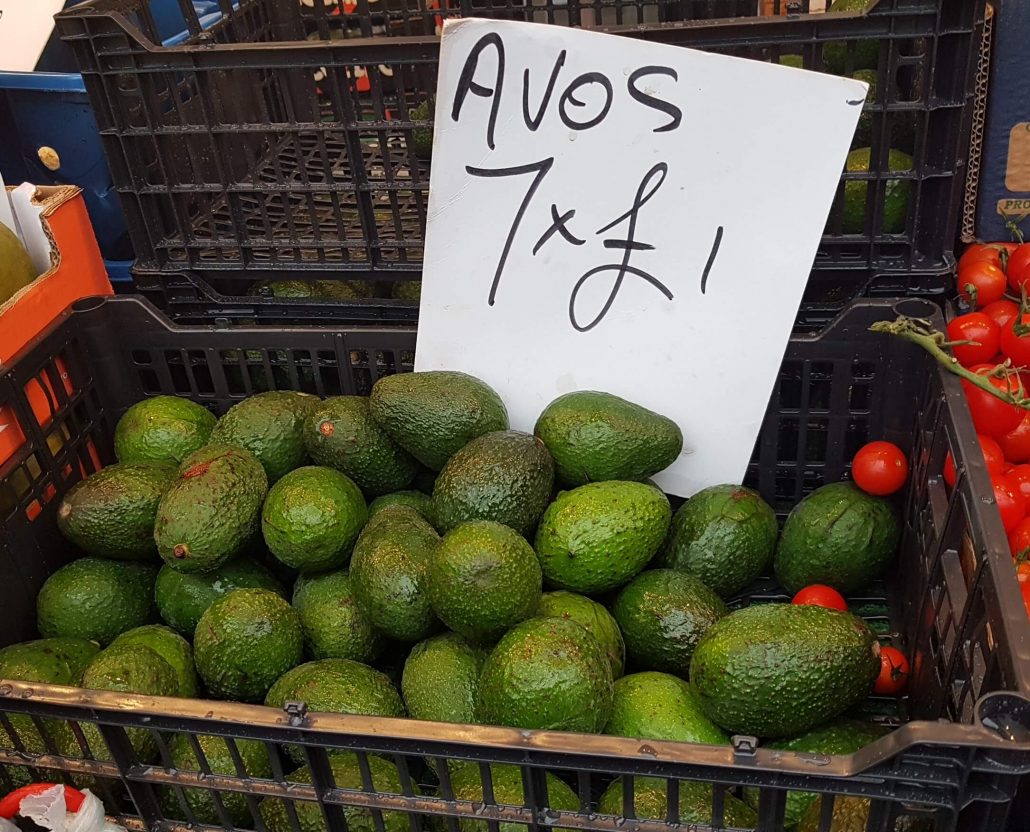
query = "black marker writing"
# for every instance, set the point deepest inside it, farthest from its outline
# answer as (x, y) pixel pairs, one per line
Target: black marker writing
(533, 122)
(569, 97)
(467, 82)
(559, 223)
(711, 259)
(649, 100)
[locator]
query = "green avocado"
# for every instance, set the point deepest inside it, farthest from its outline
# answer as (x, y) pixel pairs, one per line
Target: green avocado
(508, 790)
(651, 802)
(422, 503)
(55, 661)
(406, 290)
(441, 677)
(422, 137)
(851, 814)
(171, 647)
(659, 706)
(896, 194)
(162, 429)
(334, 627)
(590, 614)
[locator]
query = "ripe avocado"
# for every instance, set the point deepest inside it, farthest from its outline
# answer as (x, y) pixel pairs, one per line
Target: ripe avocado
(422, 503)
(340, 433)
(111, 513)
(598, 536)
(839, 536)
(546, 673)
(433, 415)
(212, 510)
(96, 599)
(597, 436)
(56, 661)
(725, 535)
(182, 598)
(162, 429)
(441, 677)
(312, 517)
(389, 574)
(483, 579)
(270, 426)
(505, 476)
(508, 789)
(246, 640)
(651, 802)
(896, 193)
(334, 627)
(773, 670)
(663, 614)
(589, 614)
(171, 647)
(659, 706)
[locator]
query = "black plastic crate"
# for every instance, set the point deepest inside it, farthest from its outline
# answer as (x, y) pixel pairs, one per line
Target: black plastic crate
(271, 141)
(952, 600)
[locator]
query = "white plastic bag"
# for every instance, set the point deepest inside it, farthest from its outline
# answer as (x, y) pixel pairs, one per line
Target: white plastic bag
(49, 810)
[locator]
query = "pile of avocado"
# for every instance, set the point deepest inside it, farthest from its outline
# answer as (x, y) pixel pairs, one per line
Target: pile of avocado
(408, 554)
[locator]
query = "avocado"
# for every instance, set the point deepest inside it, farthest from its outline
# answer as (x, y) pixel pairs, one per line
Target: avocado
(725, 535)
(181, 598)
(651, 802)
(270, 426)
(851, 814)
(111, 513)
(441, 677)
(773, 670)
(340, 433)
(219, 760)
(389, 574)
(162, 429)
(659, 706)
(312, 517)
(838, 536)
(792, 59)
(343, 289)
(348, 775)
(212, 510)
(334, 627)
(406, 290)
(171, 647)
(246, 640)
(598, 536)
(508, 789)
(16, 269)
(663, 614)
(587, 613)
(55, 661)
(96, 599)
(483, 579)
(546, 673)
(294, 289)
(422, 503)
(505, 476)
(864, 53)
(896, 193)
(434, 415)
(421, 137)
(597, 436)
(864, 131)
(843, 736)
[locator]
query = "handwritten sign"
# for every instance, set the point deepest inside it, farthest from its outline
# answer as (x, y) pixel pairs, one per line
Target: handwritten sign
(25, 27)
(609, 214)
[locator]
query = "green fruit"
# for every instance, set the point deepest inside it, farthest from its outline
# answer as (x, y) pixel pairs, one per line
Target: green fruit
(658, 706)
(334, 627)
(162, 429)
(219, 760)
(171, 647)
(56, 661)
(340, 433)
(896, 194)
(508, 790)
(270, 426)
(598, 436)
(598, 536)
(434, 415)
(422, 503)
(663, 614)
(181, 598)
(483, 579)
(865, 53)
(864, 130)
(16, 269)
(506, 476)
(546, 673)
(441, 677)
(389, 573)
(282, 289)
(773, 670)
(245, 641)
(211, 512)
(406, 290)
(587, 613)
(312, 517)
(96, 599)
(421, 137)
(725, 535)
(651, 802)
(342, 289)
(851, 814)
(792, 60)
(838, 536)
(111, 513)
(347, 775)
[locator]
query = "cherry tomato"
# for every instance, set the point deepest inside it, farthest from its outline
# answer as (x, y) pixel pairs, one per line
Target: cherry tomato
(1014, 346)
(988, 252)
(994, 459)
(1016, 443)
(1002, 311)
(1019, 478)
(1023, 577)
(987, 279)
(1011, 502)
(818, 595)
(894, 670)
(879, 468)
(990, 414)
(978, 328)
(1019, 539)
(1019, 259)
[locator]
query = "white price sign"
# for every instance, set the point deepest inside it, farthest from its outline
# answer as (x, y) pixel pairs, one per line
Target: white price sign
(609, 214)
(25, 27)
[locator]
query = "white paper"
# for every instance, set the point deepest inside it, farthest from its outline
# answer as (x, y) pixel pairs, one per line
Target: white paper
(25, 27)
(745, 153)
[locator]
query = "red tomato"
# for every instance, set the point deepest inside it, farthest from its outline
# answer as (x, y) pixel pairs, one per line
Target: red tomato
(879, 468)
(987, 279)
(994, 459)
(1011, 502)
(1016, 347)
(818, 595)
(1023, 576)
(1019, 539)
(1019, 478)
(1002, 311)
(990, 414)
(894, 672)
(1016, 268)
(1016, 443)
(982, 331)
(987, 252)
